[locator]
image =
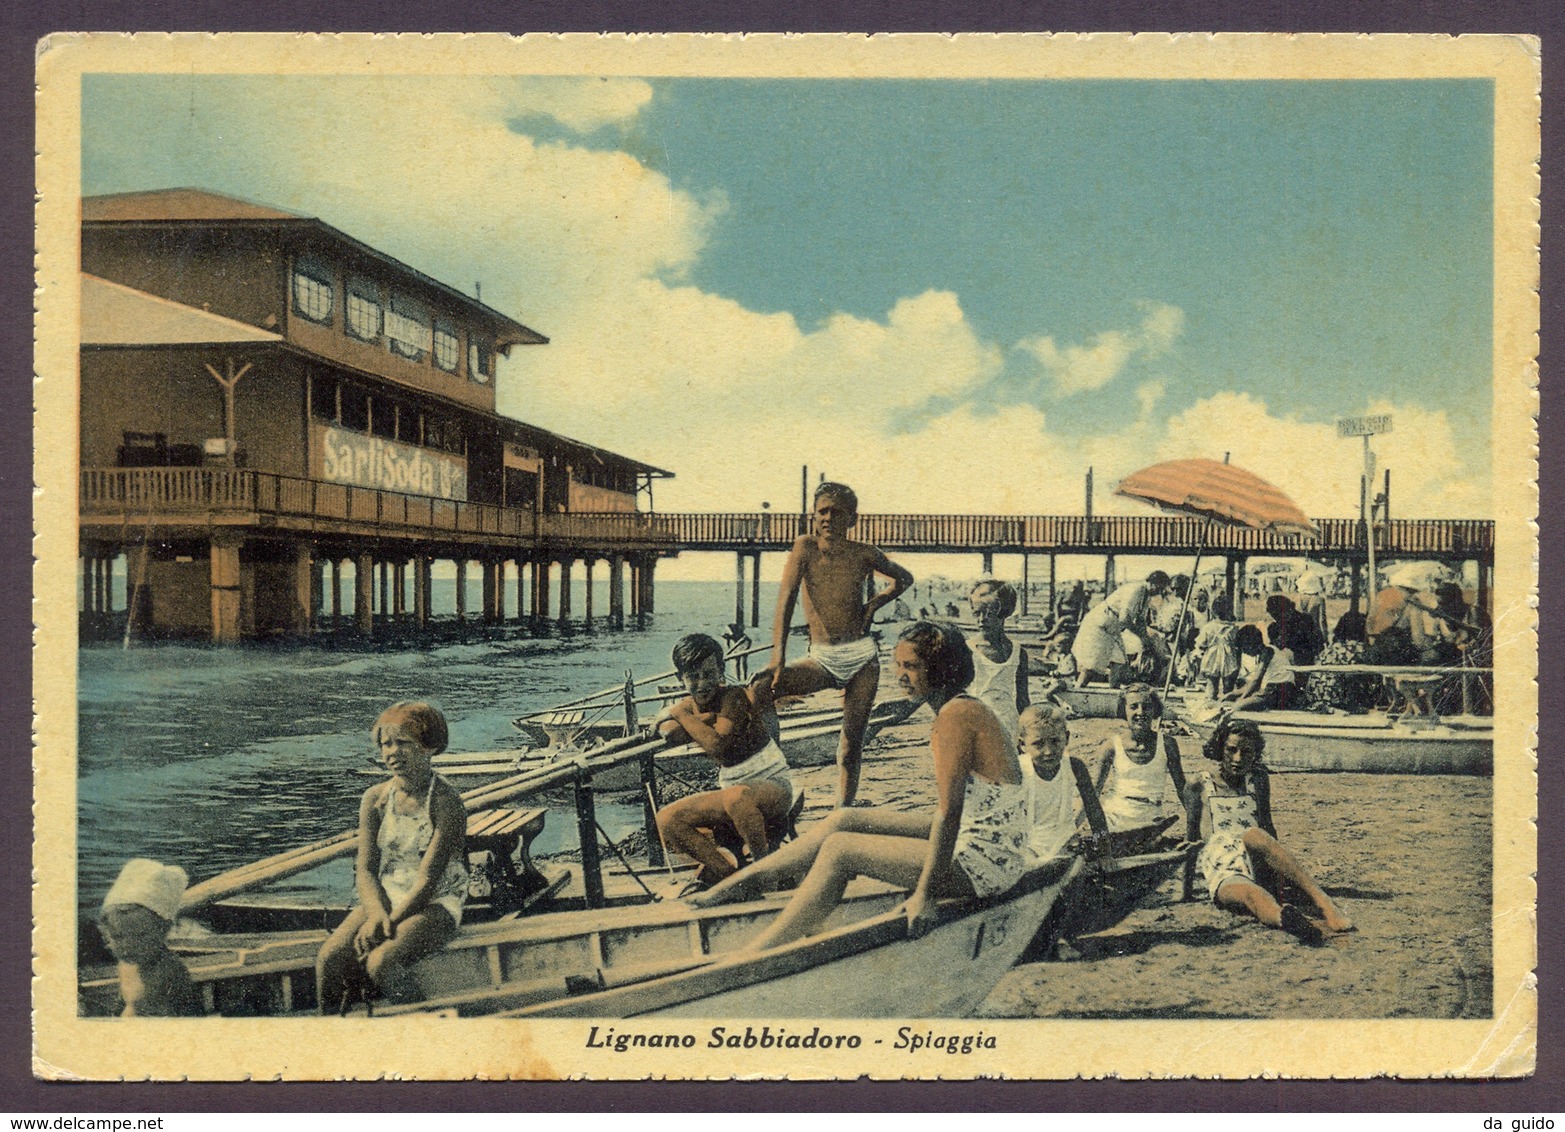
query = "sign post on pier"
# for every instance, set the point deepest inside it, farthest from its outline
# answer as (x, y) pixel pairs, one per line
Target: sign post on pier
(1367, 427)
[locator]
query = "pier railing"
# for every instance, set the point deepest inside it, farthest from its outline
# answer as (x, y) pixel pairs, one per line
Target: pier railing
(176, 497)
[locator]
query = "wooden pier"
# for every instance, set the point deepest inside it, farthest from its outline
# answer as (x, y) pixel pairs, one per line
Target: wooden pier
(269, 548)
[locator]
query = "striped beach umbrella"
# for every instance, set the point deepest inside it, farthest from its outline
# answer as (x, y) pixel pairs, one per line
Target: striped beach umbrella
(1218, 492)
(1223, 493)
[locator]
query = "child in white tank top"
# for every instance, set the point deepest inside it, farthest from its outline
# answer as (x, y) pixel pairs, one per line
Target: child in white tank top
(1136, 767)
(999, 669)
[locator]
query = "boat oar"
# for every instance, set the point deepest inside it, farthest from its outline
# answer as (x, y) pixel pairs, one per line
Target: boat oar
(283, 865)
(608, 694)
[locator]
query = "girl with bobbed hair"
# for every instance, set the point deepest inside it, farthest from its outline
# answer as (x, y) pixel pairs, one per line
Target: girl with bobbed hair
(1247, 870)
(973, 844)
(411, 869)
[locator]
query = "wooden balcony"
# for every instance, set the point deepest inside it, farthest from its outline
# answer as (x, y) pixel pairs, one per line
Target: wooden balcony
(123, 503)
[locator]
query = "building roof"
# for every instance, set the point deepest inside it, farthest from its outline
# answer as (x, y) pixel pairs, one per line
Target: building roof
(177, 204)
(115, 315)
(523, 433)
(198, 206)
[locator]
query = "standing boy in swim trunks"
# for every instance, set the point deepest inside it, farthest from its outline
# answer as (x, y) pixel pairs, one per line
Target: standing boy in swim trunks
(833, 570)
(732, 725)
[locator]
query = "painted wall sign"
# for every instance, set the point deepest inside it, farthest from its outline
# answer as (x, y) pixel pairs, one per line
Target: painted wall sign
(368, 461)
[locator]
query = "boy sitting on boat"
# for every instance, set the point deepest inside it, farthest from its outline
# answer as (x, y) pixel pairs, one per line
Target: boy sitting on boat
(832, 570)
(736, 726)
(974, 843)
(1053, 816)
(1134, 766)
(1243, 864)
(137, 914)
(411, 871)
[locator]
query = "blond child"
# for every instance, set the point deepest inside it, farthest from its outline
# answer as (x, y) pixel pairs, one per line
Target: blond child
(1134, 765)
(411, 871)
(1056, 802)
(832, 571)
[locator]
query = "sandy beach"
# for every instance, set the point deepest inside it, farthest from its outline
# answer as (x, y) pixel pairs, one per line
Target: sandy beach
(1407, 858)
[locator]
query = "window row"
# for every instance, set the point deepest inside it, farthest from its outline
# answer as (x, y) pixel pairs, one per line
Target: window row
(352, 406)
(404, 324)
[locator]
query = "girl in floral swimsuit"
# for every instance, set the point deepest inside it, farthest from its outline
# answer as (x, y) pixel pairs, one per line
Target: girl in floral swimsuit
(1242, 861)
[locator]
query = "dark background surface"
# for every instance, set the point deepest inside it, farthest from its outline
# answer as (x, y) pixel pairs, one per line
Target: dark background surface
(20, 27)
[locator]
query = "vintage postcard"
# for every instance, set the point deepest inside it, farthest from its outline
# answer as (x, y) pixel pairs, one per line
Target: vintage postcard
(707, 557)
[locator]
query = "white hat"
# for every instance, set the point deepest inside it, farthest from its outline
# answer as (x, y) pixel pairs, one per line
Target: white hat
(158, 888)
(1310, 583)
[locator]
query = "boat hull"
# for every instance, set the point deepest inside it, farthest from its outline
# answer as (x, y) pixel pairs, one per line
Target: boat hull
(1303, 742)
(865, 970)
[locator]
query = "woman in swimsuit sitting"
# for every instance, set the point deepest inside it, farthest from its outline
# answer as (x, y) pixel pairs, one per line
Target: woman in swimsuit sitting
(974, 844)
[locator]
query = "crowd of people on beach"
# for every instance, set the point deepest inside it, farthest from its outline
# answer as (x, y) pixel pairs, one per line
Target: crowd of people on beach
(1156, 630)
(1008, 795)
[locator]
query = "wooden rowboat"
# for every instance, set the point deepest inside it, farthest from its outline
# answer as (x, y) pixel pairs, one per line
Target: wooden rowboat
(1371, 744)
(662, 958)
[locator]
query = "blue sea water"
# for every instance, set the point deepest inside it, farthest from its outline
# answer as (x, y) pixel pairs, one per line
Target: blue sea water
(212, 757)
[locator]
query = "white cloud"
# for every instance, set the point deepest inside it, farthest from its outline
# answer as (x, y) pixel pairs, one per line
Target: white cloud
(1080, 369)
(1161, 327)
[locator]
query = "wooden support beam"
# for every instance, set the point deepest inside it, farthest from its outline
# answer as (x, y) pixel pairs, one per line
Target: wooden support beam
(363, 594)
(421, 591)
(487, 587)
(738, 587)
(303, 606)
(461, 589)
(225, 575)
(617, 591)
(586, 611)
(755, 589)
(565, 591)
(587, 834)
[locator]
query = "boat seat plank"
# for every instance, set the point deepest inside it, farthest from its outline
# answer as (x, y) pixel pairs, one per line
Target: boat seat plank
(507, 834)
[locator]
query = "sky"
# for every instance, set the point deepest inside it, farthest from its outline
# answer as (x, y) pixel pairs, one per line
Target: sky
(954, 295)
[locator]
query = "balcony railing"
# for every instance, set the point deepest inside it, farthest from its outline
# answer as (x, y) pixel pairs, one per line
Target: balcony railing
(183, 494)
